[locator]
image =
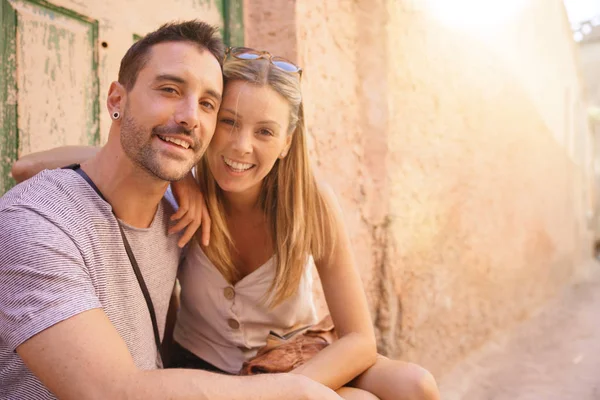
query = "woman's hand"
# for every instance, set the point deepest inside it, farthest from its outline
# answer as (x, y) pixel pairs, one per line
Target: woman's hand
(192, 212)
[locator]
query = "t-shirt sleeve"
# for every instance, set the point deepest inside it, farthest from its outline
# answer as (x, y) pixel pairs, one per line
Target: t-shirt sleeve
(170, 198)
(43, 278)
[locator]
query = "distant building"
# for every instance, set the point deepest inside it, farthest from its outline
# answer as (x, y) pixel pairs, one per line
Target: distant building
(587, 33)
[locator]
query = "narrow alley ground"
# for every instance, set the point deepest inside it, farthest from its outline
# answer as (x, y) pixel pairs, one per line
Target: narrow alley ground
(555, 355)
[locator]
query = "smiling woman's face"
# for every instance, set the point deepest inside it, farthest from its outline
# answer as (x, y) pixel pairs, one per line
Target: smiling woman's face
(251, 134)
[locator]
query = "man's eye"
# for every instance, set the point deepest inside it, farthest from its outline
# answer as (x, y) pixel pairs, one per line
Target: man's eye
(169, 90)
(207, 104)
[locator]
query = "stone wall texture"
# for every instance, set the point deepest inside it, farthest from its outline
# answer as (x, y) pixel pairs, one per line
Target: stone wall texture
(459, 148)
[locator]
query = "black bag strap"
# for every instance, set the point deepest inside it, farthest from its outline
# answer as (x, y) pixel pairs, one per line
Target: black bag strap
(142, 283)
(132, 260)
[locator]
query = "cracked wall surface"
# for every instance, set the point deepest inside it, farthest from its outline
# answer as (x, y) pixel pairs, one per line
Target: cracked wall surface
(460, 155)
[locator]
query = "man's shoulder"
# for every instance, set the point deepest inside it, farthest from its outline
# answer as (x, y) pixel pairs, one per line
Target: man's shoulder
(55, 197)
(58, 189)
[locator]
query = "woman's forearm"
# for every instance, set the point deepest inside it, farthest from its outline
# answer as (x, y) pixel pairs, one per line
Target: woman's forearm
(29, 165)
(342, 361)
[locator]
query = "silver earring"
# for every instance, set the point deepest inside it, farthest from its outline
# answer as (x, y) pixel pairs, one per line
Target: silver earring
(116, 115)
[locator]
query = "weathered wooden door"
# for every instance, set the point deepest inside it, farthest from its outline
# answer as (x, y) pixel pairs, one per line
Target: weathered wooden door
(58, 59)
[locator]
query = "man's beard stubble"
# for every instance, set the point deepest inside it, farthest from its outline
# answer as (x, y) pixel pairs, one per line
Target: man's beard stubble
(137, 145)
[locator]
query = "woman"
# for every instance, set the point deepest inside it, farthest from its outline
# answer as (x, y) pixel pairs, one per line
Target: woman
(270, 217)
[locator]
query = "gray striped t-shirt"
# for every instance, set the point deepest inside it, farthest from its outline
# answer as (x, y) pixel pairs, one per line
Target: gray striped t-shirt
(61, 253)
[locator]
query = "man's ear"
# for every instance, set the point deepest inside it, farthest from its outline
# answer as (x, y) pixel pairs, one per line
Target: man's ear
(116, 100)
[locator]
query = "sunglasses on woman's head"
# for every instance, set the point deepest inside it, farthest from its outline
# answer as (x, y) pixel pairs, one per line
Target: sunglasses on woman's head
(245, 53)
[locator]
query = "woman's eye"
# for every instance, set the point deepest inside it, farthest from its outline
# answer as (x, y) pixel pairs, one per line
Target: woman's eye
(228, 121)
(266, 132)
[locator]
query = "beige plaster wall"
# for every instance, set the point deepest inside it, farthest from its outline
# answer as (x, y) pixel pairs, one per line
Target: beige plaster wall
(459, 151)
(272, 26)
(489, 196)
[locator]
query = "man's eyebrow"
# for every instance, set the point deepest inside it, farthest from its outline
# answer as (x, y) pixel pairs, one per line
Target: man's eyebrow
(180, 80)
(215, 94)
(169, 77)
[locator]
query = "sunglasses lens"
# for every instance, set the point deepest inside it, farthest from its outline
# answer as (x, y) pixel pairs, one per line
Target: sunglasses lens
(247, 56)
(286, 66)
(245, 53)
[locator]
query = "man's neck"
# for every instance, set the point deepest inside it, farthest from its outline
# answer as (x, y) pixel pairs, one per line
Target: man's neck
(133, 192)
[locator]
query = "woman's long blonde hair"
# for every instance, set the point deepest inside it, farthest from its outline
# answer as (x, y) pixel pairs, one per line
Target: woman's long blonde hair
(298, 216)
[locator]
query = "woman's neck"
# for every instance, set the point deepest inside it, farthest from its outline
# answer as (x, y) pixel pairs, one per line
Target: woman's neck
(242, 202)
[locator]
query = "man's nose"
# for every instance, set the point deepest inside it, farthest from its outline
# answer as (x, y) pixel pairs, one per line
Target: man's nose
(187, 113)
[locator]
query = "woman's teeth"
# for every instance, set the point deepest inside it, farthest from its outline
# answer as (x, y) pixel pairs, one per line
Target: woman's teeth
(237, 166)
(178, 142)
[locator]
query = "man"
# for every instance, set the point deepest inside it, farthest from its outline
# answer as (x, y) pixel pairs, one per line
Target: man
(74, 321)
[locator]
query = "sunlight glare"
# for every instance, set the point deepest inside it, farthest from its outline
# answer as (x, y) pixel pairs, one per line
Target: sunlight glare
(478, 14)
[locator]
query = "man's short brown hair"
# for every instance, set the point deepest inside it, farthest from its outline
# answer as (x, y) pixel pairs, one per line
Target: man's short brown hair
(194, 31)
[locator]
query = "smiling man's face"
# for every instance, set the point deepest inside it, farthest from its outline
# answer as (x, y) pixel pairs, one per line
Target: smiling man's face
(170, 114)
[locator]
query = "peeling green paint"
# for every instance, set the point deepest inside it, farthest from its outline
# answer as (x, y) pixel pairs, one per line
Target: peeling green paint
(233, 22)
(8, 95)
(49, 10)
(53, 35)
(93, 103)
(92, 89)
(54, 43)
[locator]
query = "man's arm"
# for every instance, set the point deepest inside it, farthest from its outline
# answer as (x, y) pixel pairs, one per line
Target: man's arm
(83, 357)
(50, 315)
(29, 165)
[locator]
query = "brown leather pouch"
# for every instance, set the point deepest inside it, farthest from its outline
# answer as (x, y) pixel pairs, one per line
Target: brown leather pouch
(284, 353)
